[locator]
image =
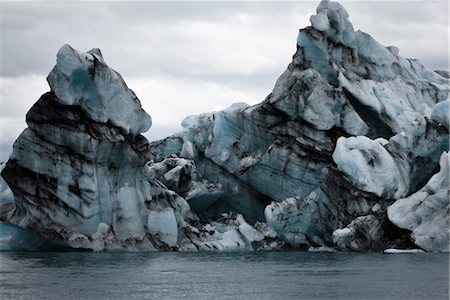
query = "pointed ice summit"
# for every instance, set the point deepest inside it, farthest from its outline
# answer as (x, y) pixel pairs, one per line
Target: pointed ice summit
(84, 79)
(349, 151)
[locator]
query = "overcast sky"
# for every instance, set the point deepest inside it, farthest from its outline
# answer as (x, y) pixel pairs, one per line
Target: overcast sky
(184, 58)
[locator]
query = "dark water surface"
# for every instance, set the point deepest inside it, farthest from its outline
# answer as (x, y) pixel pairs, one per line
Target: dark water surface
(267, 275)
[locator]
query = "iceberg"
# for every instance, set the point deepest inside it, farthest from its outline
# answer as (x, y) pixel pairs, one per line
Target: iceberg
(350, 127)
(81, 176)
(77, 171)
(344, 153)
(402, 251)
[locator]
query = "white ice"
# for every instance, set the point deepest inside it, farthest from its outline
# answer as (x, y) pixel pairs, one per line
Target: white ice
(85, 79)
(426, 212)
(369, 166)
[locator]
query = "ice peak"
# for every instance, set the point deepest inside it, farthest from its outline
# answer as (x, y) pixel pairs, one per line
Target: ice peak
(331, 45)
(84, 79)
(331, 16)
(96, 51)
(327, 5)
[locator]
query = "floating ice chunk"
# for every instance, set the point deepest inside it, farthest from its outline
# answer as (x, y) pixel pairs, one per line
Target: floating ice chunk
(368, 165)
(164, 224)
(402, 251)
(322, 249)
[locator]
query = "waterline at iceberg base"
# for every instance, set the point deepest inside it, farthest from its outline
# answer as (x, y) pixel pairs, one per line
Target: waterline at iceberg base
(348, 152)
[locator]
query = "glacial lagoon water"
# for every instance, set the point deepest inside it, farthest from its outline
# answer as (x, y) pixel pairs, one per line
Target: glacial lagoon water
(265, 275)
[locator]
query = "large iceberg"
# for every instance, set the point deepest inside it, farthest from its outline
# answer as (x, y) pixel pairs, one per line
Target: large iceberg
(344, 153)
(81, 176)
(349, 127)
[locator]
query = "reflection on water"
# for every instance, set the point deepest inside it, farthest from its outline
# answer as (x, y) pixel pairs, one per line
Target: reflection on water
(265, 275)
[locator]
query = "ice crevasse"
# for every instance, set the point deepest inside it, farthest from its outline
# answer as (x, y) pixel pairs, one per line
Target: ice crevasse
(348, 151)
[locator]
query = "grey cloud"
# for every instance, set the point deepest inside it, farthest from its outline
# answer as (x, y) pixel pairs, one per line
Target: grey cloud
(142, 38)
(400, 12)
(134, 43)
(37, 30)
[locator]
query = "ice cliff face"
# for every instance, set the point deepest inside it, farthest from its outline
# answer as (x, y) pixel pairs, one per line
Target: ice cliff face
(344, 153)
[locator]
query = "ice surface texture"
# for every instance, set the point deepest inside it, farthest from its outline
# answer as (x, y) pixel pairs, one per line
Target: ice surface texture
(84, 79)
(426, 212)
